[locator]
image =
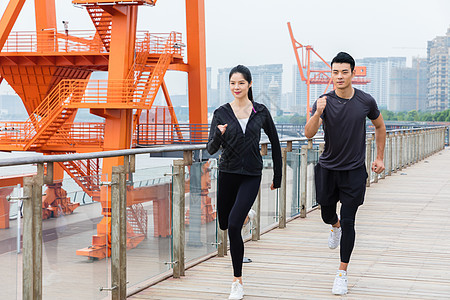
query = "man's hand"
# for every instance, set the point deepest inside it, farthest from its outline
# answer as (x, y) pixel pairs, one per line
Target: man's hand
(378, 166)
(321, 103)
(222, 128)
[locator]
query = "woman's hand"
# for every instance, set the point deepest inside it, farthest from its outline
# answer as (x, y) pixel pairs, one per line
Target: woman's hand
(272, 188)
(222, 128)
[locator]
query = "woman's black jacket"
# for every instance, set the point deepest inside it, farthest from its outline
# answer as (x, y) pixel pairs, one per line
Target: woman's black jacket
(241, 154)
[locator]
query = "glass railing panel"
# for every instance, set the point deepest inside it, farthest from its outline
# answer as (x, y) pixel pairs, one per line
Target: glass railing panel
(269, 198)
(75, 252)
(292, 183)
(200, 208)
(313, 159)
(149, 217)
(11, 223)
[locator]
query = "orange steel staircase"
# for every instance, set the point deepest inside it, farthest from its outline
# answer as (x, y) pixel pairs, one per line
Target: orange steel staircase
(87, 174)
(102, 21)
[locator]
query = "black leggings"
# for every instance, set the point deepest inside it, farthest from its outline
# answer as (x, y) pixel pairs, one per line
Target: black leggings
(235, 197)
(348, 214)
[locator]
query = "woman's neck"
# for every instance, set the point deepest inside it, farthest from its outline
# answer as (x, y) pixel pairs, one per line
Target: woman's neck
(241, 102)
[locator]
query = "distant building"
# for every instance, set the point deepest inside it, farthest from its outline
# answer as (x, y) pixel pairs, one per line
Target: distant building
(438, 52)
(408, 87)
(379, 71)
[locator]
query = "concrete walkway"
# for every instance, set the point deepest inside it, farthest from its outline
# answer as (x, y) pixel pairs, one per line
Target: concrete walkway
(402, 249)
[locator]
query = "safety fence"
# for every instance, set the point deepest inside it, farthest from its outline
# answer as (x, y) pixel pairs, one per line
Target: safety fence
(154, 218)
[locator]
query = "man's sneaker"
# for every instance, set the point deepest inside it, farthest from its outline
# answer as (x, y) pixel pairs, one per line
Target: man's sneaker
(237, 290)
(335, 237)
(340, 283)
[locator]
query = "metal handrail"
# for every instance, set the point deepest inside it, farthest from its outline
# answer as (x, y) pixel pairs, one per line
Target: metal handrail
(123, 152)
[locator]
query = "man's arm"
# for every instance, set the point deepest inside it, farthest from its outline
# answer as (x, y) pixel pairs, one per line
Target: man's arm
(380, 140)
(314, 123)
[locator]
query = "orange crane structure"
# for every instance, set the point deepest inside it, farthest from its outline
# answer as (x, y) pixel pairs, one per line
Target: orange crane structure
(317, 76)
(50, 71)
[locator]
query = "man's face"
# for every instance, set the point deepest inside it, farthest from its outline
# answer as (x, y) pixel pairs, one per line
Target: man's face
(341, 75)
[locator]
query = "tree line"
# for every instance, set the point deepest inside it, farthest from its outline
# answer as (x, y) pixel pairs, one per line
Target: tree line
(413, 115)
(421, 116)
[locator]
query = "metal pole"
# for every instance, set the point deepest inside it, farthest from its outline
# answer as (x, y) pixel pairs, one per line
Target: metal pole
(282, 203)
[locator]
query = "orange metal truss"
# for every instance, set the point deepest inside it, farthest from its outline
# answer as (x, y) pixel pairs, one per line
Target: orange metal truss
(50, 71)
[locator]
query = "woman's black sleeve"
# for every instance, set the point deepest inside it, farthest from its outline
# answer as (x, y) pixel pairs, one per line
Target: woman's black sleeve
(215, 136)
(271, 132)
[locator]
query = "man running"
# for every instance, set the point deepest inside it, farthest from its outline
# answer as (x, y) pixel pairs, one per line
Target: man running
(341, 174)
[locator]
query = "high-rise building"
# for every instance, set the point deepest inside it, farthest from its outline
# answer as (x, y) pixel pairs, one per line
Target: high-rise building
(438, 52)
(267, 85)
(379, 71)
(408, 87)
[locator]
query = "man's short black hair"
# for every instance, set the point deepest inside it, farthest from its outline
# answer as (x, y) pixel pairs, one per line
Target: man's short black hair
(343, 57)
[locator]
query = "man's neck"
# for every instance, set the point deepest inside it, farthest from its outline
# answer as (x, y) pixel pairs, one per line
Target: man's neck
(346, 93)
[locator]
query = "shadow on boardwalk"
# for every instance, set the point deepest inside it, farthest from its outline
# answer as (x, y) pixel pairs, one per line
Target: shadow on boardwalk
(402, 249)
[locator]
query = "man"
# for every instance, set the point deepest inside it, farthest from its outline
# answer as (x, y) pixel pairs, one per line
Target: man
(341, 174)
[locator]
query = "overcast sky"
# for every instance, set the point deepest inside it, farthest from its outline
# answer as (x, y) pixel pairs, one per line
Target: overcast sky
(254, 32)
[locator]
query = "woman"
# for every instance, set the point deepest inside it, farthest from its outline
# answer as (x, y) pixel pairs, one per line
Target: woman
(236, 127)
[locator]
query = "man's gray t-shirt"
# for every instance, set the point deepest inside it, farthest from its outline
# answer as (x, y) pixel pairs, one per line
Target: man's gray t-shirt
(344, 125)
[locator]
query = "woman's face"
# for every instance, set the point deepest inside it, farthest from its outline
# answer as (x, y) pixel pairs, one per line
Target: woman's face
(239, 86)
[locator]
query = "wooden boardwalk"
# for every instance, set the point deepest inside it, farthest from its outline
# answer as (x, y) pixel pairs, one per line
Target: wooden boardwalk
(402, 249)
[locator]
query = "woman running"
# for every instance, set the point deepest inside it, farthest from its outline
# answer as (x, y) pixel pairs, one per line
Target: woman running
(236, 127)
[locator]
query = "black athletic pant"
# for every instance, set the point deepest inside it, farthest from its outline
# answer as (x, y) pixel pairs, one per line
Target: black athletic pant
(235, 197)
(349, 188)
(348, 213)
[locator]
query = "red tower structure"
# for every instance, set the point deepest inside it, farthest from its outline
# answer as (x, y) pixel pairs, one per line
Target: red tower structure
(51, 70)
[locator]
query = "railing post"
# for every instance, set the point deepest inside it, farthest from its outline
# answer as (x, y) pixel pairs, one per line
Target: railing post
(416, 148)
(223, 242)
(400, 151)
(178, 217)
(373, 145)
(303, 179)
(282, 202)
(385, 158)
(118, 233)
(390, 151)
(32, 236)
(368, 159)
(256, 227)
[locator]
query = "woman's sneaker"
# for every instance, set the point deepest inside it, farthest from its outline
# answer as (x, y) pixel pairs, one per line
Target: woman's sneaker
(237, 291)
(340, 283)
(335, 237)
(251, 216)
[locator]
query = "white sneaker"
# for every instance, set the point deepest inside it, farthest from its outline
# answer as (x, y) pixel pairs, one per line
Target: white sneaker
(251, 216)
(237, 291)
(340, 283)
(335, 237)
